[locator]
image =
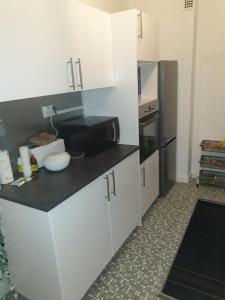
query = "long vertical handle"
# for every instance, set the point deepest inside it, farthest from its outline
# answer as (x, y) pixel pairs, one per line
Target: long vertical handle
(140, 35)
(107, 184)
(73, 86)
(80, 73)
(144, 181)
(114, 183)
(114, 132)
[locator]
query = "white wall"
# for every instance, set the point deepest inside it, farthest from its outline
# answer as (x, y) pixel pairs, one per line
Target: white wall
(176, 42)
(209, 97)
(108, 5)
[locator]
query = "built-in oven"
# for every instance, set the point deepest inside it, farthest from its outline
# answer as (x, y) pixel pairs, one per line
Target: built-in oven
(148, 129)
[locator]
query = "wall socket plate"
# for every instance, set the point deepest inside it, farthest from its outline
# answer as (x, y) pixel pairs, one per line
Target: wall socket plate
(48, 110)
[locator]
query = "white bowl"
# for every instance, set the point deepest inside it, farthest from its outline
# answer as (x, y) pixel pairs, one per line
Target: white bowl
(56, 161)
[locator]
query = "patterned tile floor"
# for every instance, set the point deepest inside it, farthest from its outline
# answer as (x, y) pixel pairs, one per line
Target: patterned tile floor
(12, 296)
(140, 268)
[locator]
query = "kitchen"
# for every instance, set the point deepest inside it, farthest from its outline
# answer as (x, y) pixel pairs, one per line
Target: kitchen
(179, 38)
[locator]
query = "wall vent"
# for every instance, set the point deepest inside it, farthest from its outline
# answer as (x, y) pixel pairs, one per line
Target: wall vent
(188, 4)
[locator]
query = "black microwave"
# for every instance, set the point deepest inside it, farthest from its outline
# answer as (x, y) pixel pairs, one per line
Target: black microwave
(91, 135)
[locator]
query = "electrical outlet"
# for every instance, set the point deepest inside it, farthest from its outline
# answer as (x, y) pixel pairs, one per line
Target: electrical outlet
(48, 110)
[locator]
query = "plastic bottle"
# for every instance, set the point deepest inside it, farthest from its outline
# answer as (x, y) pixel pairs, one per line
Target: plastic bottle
(34, 164)
(19, 165)
(25, 156)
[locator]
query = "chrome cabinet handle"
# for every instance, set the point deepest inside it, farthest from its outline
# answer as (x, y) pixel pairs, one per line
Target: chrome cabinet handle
(80, 73)
(114, 183)
(107, 184)
(70, 62)
(143, 170)
(140, 35)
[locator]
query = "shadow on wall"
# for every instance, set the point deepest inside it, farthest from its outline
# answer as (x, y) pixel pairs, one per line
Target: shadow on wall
(21, 119)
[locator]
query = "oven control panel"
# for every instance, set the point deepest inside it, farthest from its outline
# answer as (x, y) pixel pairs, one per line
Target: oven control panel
(148, 108)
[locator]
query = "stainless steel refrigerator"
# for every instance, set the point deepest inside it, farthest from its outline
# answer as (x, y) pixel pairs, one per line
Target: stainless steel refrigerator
(167, 91)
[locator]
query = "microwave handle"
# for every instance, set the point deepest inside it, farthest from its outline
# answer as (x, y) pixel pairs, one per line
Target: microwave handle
(114, 131)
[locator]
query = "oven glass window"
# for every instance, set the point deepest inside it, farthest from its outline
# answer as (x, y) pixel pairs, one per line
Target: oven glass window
(148, 136)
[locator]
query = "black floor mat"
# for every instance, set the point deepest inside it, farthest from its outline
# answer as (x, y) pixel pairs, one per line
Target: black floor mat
(198, 271)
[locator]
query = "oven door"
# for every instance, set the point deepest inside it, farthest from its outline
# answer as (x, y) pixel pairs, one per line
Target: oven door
(148, 136)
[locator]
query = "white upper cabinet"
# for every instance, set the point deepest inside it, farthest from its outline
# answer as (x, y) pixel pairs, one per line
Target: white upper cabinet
(33, 52)
(147, 42)
(90, 35)
(53, 46)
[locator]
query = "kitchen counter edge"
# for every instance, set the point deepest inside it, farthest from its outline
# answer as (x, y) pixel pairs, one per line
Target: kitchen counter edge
(33, 193)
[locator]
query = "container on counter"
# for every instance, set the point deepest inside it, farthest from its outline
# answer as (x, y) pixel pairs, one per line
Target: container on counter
(19, 165)
(25, 156)
(6, 173)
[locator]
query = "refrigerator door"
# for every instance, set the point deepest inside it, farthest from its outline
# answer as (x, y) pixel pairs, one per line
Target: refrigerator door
(167, 101)
(167, 165)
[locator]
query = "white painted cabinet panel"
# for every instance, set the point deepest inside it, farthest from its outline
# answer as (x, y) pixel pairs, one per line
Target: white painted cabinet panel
(59, 254)
(30, 250)
(33, 52)
(122, 100)
(124, 200)
(149, 174)
(90, 33)
(81, 231)
(147, 38)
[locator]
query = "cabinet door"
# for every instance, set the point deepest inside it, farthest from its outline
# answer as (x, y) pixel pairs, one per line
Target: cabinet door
(33, 52)
(91, 43)
(147, 38)
(81, 229)
(154, 176)
(145, 186)
(124, 200)
(149, 174)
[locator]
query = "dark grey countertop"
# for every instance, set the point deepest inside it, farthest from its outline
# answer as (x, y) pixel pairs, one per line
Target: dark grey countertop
(50, 189)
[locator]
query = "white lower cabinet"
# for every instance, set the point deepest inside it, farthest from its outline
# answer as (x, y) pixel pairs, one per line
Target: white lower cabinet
(59, 254)
(149, 175)
(81, 234)
(123, 204)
